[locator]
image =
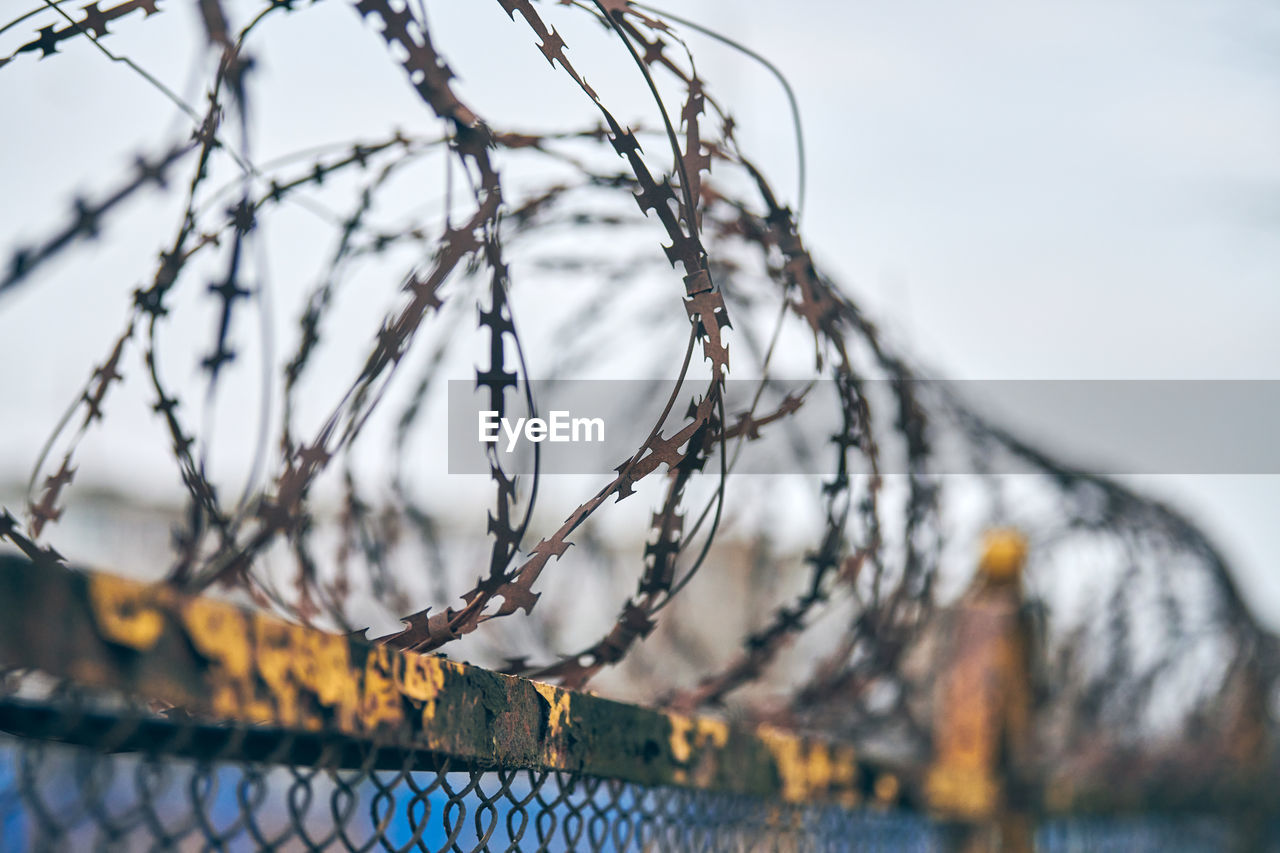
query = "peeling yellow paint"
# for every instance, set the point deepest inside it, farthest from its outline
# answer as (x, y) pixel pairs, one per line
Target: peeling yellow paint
(380, 702)
(420, 678)
(558, 699)
(809, 770)
(887, 788)
(844, 771)
(558, 719)
(681, 726)
(712, 732)
(969, 794)
(220, 633)
(278, 647)
(125, 611)
(324, 668)
(787, 756)
(256, 668)
(295, 664)
(844, 776)
(690, 735)
(710, 736)
(821, 768)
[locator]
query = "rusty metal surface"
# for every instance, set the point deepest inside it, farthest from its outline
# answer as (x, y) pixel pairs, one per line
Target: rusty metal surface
(224, 664)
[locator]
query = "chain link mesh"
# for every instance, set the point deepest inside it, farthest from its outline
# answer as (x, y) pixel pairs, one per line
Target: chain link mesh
(62, 797)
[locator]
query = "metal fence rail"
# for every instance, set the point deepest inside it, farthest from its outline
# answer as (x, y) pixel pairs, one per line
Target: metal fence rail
(139, 719)
(205, 664)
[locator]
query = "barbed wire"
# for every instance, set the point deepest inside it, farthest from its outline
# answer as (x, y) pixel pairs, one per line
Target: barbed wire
(739, 254)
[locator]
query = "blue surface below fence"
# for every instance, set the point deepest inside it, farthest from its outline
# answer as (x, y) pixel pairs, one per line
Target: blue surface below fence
(74, 798)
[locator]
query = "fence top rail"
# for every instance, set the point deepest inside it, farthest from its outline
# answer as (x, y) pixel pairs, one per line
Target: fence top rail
(226, 664)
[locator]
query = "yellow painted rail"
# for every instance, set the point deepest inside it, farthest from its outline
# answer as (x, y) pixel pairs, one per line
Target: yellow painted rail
(235, 674)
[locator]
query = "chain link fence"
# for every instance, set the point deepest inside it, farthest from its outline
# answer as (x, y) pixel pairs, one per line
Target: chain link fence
(95, 755)
(73, 798)
(62, 797)
(99, 754)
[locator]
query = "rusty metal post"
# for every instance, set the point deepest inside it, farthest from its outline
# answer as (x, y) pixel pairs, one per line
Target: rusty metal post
(981, 718)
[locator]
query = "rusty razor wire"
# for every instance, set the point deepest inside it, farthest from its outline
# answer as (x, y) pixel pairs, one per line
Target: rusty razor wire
(680, 251)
